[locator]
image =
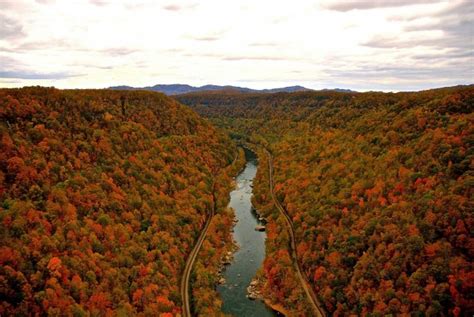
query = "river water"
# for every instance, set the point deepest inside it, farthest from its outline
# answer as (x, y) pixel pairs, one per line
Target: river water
(249, 257)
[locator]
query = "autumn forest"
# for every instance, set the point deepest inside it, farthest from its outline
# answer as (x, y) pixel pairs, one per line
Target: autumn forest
(111, 199)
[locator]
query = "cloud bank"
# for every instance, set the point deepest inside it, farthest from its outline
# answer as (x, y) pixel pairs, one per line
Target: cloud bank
(365, 45)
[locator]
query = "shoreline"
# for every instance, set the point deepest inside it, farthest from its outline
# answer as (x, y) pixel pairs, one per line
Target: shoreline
(276, 307)
(255, 292)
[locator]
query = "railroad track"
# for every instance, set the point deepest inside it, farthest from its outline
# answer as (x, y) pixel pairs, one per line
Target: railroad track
(311, 296)
(188, 268)
(186, 308)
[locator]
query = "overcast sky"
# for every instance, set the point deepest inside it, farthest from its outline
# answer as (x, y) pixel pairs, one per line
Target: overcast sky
(362, 45)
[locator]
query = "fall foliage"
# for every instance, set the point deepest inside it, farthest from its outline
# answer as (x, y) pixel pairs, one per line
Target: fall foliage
(379, 187)
(102, 195)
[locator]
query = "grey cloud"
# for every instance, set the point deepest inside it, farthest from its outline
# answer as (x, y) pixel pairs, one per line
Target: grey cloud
(455, 23)
(448, 41)
(345, 6)
(455, 54)
(172, 7)
(454, 9)
(9, 62)
(5, 49)
(10, 28)
(458, 72)
(43, 45)
(13, 68)
(118, 51)
(35, 75)
(384, 41)
(375, 85)
(64, 45)
(463, 7)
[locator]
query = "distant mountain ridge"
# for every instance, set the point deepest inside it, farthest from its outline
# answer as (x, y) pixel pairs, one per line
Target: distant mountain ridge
(177, 89)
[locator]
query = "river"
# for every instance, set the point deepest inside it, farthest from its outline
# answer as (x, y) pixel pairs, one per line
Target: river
(249, 257)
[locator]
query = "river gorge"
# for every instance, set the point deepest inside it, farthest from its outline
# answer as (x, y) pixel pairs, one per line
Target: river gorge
(251, 249)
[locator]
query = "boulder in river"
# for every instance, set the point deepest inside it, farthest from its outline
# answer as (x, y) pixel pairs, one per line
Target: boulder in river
(227, 260)
(252, 290)
(260, 228)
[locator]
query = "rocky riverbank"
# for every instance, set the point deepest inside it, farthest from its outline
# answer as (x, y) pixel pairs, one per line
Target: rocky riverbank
(254, 292)
(226, 260)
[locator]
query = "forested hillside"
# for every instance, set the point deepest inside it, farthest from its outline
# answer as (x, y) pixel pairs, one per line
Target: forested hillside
(102, 195)
(379, 188)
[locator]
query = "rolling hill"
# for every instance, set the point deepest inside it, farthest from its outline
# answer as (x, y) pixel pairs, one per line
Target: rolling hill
(103, 194)
(177, 89)
(379, 188)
